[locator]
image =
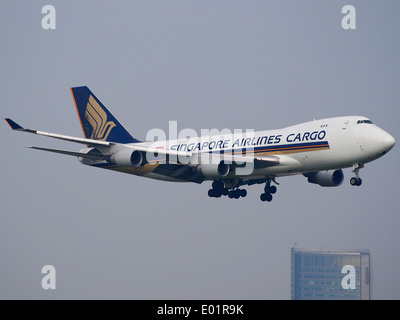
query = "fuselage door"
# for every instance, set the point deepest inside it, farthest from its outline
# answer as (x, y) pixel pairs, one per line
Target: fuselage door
(344, 127)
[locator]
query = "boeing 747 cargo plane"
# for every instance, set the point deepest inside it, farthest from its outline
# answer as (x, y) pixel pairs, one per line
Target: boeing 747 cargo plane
(318, 149)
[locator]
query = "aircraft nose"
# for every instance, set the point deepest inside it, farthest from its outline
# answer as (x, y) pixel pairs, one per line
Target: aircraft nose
(388, 142)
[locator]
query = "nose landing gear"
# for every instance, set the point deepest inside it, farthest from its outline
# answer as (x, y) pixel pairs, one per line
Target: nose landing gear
(357, 181)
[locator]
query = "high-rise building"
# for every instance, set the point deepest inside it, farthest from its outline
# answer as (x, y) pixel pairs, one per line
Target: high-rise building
(331, 274)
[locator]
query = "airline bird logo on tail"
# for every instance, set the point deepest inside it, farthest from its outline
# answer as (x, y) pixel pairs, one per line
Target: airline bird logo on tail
(97, 118)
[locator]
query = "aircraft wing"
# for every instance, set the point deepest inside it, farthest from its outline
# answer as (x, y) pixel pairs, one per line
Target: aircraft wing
(258, 161)
(90, 156)
(178, 170)
(187, 172)
(89, 142)
(94, 143)
(265, 162)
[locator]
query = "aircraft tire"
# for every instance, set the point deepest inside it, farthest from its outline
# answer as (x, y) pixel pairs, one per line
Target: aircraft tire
(218, 193)
(355, 181)
(266, 197)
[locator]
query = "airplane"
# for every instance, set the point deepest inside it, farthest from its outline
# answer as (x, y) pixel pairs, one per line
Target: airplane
(318, 149)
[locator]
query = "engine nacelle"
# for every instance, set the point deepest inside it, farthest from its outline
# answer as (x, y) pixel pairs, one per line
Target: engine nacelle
(327, 178)
(214, 170)
(127, 158)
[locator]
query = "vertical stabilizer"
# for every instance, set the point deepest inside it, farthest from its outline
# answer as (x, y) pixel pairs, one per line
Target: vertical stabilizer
(97, 122)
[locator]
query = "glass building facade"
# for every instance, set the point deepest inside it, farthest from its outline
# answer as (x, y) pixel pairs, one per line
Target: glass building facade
(330, 274)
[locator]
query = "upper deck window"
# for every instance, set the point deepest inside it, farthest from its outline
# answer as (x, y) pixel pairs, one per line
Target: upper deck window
(364, 121)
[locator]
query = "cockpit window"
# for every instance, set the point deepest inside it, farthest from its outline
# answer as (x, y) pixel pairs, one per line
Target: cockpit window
(364, 121)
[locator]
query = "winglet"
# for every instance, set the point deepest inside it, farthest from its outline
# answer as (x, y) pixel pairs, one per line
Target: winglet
(13, 125)
(16, 126)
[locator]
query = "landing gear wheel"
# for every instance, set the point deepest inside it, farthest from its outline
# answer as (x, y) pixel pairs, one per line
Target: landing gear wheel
(218, 189)
(236, 193)
(263, 197)
(356, 181)
(217, 184)
(268, 190)
(266, 197)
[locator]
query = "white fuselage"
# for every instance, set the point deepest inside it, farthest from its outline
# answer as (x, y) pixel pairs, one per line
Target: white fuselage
(317, 145)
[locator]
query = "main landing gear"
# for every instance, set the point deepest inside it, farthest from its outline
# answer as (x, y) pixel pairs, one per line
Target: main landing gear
(357, 181)
(219, 189)
(268, 191)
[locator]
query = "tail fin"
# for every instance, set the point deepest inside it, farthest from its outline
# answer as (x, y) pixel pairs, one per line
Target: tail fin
(96, 121)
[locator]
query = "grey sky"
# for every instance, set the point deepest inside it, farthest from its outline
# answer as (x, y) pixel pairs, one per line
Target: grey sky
(207, 64)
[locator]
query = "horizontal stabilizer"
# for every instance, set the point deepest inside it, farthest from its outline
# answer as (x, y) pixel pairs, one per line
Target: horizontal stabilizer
(90, 156)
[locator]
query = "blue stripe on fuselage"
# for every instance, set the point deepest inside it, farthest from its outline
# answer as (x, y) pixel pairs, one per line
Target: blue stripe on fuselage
(285, 148)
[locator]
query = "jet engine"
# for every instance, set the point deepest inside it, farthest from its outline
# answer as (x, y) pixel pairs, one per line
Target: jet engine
(127, 158)
(214, 170)
(326, 178)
